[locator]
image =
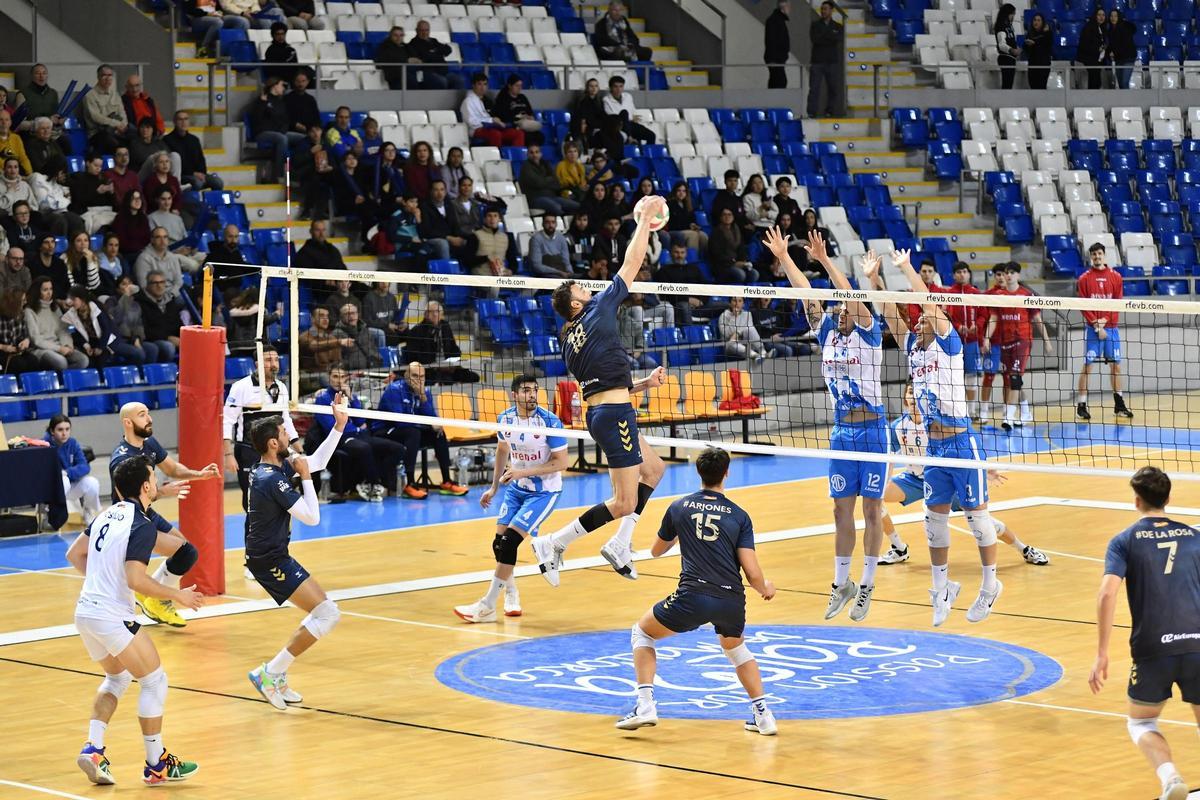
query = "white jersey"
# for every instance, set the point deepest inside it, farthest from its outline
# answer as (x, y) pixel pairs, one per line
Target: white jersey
(938, 380)
(850, 364)
(909, 439)
(120, 534)
(243, 408)
(534, 448)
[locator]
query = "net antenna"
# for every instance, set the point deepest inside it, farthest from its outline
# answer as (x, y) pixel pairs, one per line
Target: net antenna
(293, 293)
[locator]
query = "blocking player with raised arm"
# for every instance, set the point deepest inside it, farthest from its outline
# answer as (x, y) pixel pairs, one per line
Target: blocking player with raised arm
(1012, 330)
(529, 464)
(970, 326)
(1158, 558)
(716, 540)
(935, 366)
(113, 554)
(851, 355)
(273, 502)
(1103, 339)
(137, 439)
(594, 354)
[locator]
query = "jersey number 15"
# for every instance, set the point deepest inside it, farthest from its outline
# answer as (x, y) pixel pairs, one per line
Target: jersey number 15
(709, 523)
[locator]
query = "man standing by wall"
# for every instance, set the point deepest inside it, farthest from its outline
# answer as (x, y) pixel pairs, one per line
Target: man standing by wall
(826, 62)
(778, 42)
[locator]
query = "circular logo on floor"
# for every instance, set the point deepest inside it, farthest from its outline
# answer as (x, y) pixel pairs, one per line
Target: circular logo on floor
(808, 672)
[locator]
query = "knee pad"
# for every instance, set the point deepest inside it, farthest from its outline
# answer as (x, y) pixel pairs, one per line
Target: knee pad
(1140, 727)
(638, 638)
(739, 655)
(505, 546)
(1015, 382)
(322, 619)
(116, 684)
(153, 694)
(937, 528)
(999, 526)
(184, 559)
(982, 527)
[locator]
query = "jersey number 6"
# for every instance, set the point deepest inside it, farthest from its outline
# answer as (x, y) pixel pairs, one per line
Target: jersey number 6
(709, 522)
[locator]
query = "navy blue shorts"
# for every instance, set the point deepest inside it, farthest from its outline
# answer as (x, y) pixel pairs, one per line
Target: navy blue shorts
(614, 427)
(279, 576)
(686, 609)
(1151, 679)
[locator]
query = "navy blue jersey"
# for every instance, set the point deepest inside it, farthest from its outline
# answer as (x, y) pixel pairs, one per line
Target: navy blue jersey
(592, 345)
(268, 523)
(152, 450)
(710, 528)
(1159, 559)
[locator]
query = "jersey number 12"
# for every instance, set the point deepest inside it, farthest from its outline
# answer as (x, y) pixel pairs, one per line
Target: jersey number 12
(707, 522)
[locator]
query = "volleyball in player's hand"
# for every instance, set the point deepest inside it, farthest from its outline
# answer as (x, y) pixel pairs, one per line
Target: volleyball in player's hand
(659, 220)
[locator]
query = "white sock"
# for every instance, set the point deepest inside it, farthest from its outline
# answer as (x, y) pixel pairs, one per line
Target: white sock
(154, 748)
(869, 564)
(987, 410)
(941, 574)
(841, 570)
(972, 407)
(1024, 406)
(493, 592)
(568, 534)
(896, 541)
(759, 703)
(645, 695)
(166, 578)
(510, 585)
(1165, 770)
(989, 578)
(1010, 412)
(96, 730)
(280, 663)
(624, 534)
(1082, 397)
(1017, 544)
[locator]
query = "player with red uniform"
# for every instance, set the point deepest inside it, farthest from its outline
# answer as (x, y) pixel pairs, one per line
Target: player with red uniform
(1012, 330)
(970, 324)
(990, 358)
(1103, 342)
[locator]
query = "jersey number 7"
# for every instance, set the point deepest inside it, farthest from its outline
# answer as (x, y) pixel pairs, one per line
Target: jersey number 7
(707, 522)
(1170, 547)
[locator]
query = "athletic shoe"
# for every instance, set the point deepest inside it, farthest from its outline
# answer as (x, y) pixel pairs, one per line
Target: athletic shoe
(378, 493)
(364, 491)
(1121, 410)
(248, 575)
(169, 768)
(620, 558)
(512, 604)
(95, 765)
(1007, 425)
(894, 555)
(1034, 556)
(160, 611)
(762, 721)
(1174, 789)
(289, 694)
(548, 556)
(982, 606)
(943, 600)
(267, 686)
(476, 612)
(413, 493)
(839, 597)
(639, 718)
(1081, 412)
(862, 603)
(451, 488)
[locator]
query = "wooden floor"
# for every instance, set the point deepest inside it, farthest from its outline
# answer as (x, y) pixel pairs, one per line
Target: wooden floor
(376, 723)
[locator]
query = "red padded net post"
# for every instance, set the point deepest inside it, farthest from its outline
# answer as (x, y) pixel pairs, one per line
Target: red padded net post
(201, 398)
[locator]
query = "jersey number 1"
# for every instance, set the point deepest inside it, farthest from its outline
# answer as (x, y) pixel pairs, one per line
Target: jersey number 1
(707, 522)
(1170, 547)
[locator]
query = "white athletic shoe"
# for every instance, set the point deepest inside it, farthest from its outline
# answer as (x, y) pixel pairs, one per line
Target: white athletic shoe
(290, 695)
(378, 492)
(1174, 789)
(620, 558)
(476, 612)
(364, 491)
(762, 721)
(895, 555)
(943, 600)
(639, 718)
(1034, 556)
(839, 597)
(548, 556)
(982, 606)
(512, 604)
(267, 686)
(862, 603)
(248, 575)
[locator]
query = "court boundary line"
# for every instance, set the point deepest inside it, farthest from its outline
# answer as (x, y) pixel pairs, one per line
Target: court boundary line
(42, 789)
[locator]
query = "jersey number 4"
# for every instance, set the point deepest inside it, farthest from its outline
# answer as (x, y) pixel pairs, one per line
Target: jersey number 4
(1170, 547)
(101, 535)
(709, 523)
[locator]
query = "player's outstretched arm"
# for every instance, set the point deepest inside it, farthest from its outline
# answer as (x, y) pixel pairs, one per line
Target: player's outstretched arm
(77, 553)
(657, 377)
(817, 250)
(306, 508)
(635, 254)
(322, 455)
(903, 261)
(777, 243)
(1106, 606)
(872, 269)
(748, 558)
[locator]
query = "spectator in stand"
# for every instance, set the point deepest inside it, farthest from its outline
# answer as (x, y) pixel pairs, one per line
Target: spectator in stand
(737, 330)
(92, 195)
(340, 138)
(161, 179)
(757, 206)
(596, 206)
(16, 353)
(387, 180)
(1039, 48)
(112, 263)
(159, 258)
(410, 396)
(514, 110)
(597, 266)
(104, 113)
(349, 196)
(54, 199)
(160, 316)
(301, 15)
(364, 352)
(372, 143)
(541, 187)
(170, 221)
(47, 264)
(302, 110)
(42, 147)
(468, 209)
(587, 113)
(379, 312)
(549, 251)
(132, 225)
(139, 105)
(783, 198)
(728, 198)
(777, 44)
(390, 55)
(611, 141)
(94, 333)
(38, 97)
(581, 242)
(425, 50)
(599, 171)
(22, 228)
(1092, 51)
(207, 20)
(1007, 51)
(404, 231)
(145, 147)
(610, 242)
(615, 38)
(682, 225)
(126, 315)
(259, 13)
(15, 189)
(483, 126)
(727, 252)
(229, 263)
(15, 275)
(420, 171)
(272, 129)
(680, 270)
(493, 247)
(621, 208)
(193, 166)
(243, 322)
(1121, 44)
(313, 172)
(439, 228)
(776, 327)
(432, 339)
(11, 144)
(647, 311)
(318, 252)
(619, 103)
(572, 178)
(4, 104)
(320, 347)
(342, 296)
(453, 171)
(84, 267)
(369, 462)
(52, 344)
(632, 333)
(279, 52)
(825, 61)
(121, 176)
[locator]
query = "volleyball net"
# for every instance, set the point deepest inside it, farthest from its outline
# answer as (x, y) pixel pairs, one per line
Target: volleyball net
(743, 367)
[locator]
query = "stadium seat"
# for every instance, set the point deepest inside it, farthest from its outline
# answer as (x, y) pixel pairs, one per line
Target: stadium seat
(43, 382)
(13, 410)
(82, 380)
(169, 373)
(130, 376)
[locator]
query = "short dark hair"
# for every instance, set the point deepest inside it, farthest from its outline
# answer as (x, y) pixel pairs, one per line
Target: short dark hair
(713, 466)
(616, 80)
(1000, 268)
(129, 476)
(278, 26)
(961, 265)
(927, 262)
(785, 180)
(521, 380)
(514, 78)
(264, 431)
(1014, 266)
(1096, 247)
(732, 173)
(1152, 485)
(560, 300)
(269, 348)
(337, 365)
(477, 77)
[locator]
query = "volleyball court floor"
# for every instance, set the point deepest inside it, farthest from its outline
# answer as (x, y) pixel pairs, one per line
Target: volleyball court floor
(404, 700)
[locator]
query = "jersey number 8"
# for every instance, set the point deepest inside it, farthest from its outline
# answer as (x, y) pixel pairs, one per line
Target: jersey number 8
(100, 537)
(709, 522)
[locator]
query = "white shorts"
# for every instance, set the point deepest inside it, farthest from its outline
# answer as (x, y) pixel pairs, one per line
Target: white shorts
(105, 637)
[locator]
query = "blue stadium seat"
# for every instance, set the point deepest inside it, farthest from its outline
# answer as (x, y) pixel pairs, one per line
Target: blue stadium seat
(547, 355)
(42, 382)
(1066, 263)
(705, 349)
(13, 411)
(1127, 223)
(1178, 249)
(506, 331)
(130, 376)
(1169, 281)
(236, 368)
(82, 380)
(455, 296)
(672, 338)
(1135, 283)
(791, 131)
(1018, 229)
(167, 373)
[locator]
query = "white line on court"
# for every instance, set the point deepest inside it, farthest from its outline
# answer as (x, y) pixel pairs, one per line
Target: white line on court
(1092, 711)
(1071, 555)
(464, 628)
(42, 790)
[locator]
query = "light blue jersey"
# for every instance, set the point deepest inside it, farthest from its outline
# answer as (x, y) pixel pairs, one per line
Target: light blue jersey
(938, 379)
(850, 364)
(534, 447)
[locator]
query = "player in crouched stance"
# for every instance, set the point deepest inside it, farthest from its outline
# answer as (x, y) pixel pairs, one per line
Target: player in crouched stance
(1159, 561)
(716, 538)
(113, 554)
